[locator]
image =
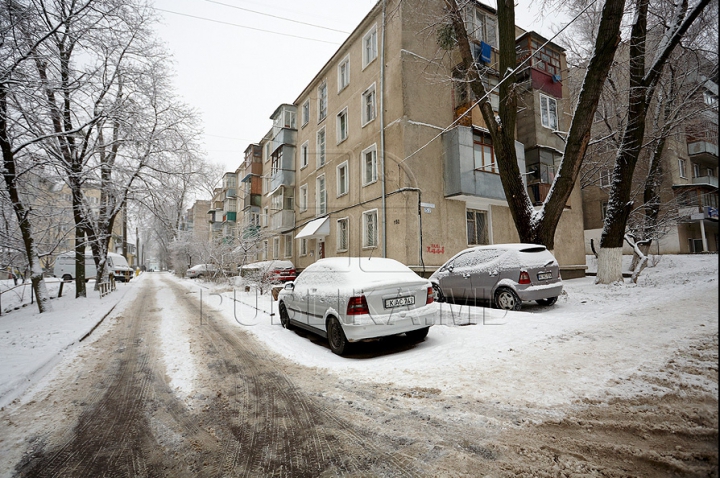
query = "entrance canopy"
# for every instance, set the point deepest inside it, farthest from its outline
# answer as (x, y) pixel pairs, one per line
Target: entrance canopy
(315, 229)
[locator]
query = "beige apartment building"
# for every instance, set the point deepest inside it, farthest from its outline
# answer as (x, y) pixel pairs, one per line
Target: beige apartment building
(375, 157)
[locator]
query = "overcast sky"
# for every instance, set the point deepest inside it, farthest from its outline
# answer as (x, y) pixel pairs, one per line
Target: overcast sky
(236, 61)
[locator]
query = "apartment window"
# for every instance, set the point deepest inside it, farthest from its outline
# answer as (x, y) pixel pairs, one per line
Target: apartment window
(343, 74)
(342, 179)
(605, 178)
(276, 247)
(288, 245)
(369, 165)
(321, 196)
(696, 170)
(268, 151)
(545, 59)
(603, 209)
(303, 198)
(342, 234)
(303, 247)
(265, 250)
(266, 214)
(711, 172)
(370, 49)
(484, 154)
(370, 229)
(342, 126)
(321, 148)
(368, 105)
(306, 112)
(681, 168)
(548, 112)
(481, 26)
(477, 233)
(304, 155)
(322, 101)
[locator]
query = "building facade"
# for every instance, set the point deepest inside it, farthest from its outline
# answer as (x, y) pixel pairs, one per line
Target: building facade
(383, 153)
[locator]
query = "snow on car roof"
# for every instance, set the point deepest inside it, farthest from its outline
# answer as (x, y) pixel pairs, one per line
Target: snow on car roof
(357, 271)
(270, 264)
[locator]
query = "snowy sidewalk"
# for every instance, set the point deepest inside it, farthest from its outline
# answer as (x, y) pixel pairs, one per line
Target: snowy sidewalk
(32, 343)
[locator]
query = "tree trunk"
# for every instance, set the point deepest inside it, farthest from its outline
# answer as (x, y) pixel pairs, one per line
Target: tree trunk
(21, 213)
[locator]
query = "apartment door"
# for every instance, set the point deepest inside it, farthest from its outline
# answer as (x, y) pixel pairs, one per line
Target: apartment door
(321, 249)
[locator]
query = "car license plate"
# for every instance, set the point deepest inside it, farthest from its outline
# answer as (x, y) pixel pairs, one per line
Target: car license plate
(399, 302)
(544, 275)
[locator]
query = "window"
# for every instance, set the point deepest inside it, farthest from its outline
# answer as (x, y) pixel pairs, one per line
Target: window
(481, 26)
(681, 167)
(603, 209)
(370, 50)
(303, 247)
(265, 250)
(369, 165)
(321, 148)
(548, 112)
(268, 150)
(306, 112)
(368, 105)
(303, 198)
(342, 126)
(710, 172)
(484, 154)
(343, 74)
(342, 234)
(288, 245)
(605, 178)
(276, 247)
(289, 119)
(370, 233)
(265, 217)
(304, 155)
(545, 59)
(342, 179)
(320, 196)
(477, 233)
(322, 101)
(696, 170)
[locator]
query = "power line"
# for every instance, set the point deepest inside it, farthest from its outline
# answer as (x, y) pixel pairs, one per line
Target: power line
(246, 27)
(276, 16)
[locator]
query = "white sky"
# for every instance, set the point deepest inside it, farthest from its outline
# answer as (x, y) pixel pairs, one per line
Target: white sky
(236, 77)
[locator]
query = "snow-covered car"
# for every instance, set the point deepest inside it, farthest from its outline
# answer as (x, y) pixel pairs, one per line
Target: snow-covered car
(201, 270)
(351, 299)
(274, 271)
(503, 274)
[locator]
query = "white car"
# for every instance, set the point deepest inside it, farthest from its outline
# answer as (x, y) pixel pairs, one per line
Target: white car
(201, 270)
(350, 299)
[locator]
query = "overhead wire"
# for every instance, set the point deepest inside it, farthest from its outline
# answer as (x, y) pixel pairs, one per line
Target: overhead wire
(247, 27)
(277, 16)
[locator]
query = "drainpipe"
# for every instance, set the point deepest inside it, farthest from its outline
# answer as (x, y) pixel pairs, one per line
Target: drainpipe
(382, 131)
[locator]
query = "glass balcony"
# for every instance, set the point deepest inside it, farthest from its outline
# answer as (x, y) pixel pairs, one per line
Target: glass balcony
(282, 220)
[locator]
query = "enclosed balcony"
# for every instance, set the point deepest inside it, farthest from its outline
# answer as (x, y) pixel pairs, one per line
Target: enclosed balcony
(470, 169)
(282, 220)
(230, 216)
(283, 167)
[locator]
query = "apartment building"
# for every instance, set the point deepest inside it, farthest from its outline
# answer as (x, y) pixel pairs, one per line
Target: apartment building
(379, 155)
(195, 221)
(689, 181)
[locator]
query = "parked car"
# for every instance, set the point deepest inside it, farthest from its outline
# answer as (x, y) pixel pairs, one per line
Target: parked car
(350, 299)
(201, 270)
(269, 271)
(503, 274)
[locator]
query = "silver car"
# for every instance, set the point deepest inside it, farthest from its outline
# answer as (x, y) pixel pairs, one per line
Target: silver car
(504, 275)
(350, 299)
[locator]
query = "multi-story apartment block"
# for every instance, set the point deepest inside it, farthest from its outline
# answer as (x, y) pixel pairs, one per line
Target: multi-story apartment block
(689, 183)
(195, 221)
(379, 155)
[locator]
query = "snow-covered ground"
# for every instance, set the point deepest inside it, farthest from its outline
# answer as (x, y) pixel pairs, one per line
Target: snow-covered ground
(589, 345)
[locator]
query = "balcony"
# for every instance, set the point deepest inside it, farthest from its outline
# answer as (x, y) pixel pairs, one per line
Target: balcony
(710, 181)
(284, 136)
(703, 152)
(217, 226)
(231, 193)
(282, 220)
(462, 180)
(282, 177)
(251, 200)
(230, 216)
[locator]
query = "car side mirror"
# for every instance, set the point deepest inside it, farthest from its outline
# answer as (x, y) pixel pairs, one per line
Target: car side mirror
(290, 286)
(450, 268)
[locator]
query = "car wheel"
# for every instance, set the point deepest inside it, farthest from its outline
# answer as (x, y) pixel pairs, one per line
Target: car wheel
(199, 276)
(336, 337)
(67, 278)
(284, 317)
(549, 301)
(418, 335)
(507, 299)
(439, 296)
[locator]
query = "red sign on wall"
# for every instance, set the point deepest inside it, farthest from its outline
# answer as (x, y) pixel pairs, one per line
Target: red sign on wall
(435, 249)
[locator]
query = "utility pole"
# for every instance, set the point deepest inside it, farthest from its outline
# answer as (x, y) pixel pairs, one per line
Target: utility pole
(137, 248)
(124, 232)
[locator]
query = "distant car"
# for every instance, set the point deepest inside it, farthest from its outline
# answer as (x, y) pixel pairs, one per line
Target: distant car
(351, 299)
(201, 270)
(504, 275)
(270, 271)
